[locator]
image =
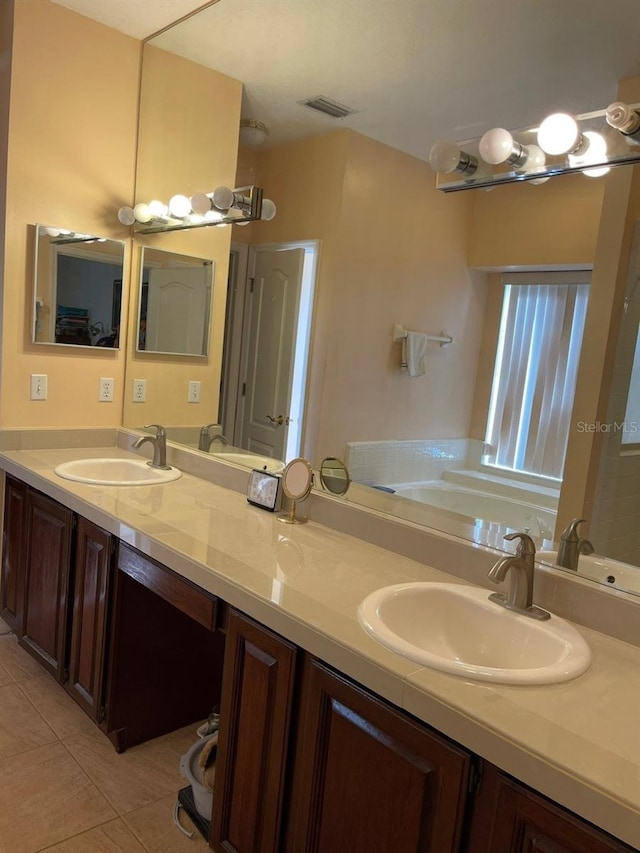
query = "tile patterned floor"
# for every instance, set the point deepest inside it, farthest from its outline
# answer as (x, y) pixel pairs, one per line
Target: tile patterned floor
(63, 787)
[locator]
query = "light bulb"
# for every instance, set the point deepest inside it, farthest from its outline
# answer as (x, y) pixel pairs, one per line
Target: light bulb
(52, 232)
(126, 216)
(223, 198)
(268, 210)
(179, 206)
(595, 153)
(558, 134)
(499, 146)
(142, 212)
(623, 118)
(201, 203)
(213, 216)
(447, 157)
(158, 209)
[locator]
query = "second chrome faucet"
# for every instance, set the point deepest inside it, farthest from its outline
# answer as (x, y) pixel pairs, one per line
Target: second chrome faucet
(520, 569)
(159, 442)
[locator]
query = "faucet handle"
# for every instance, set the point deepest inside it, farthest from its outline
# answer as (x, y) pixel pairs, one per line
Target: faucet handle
(526, 546)
(158, 428)
(570, 533)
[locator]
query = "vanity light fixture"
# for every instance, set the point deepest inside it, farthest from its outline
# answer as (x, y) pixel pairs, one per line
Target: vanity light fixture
(590, 143)
(223, 206)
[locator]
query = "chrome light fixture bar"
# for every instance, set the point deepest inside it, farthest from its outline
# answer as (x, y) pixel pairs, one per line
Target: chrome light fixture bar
(223, 206)
(591, 143)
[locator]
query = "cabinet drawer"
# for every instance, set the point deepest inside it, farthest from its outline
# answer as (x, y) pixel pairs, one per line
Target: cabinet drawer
(183, 595)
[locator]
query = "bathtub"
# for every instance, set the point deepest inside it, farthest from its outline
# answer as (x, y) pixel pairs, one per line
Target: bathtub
(481, 509)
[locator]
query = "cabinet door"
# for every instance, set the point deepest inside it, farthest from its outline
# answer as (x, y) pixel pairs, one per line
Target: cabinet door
(369, 779)
(257, 690)
(92, 572)
(44, 626)
(14, 550)
(521, 821)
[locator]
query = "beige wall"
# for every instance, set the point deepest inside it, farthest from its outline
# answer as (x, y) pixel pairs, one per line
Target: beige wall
(71, 160)
(393, 250)
(189, 119)
(6, 36)
(550, 225)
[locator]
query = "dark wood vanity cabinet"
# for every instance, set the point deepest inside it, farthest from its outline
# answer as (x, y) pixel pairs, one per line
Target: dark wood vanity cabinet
(368, 778)
(45, 582)
(254, 739)
(508, 816)
(14, 553)
(89, 602)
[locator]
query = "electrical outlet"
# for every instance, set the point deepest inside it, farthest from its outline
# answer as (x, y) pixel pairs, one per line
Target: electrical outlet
(139, 390)
(38, 386)
(105, 390)
(194, 392)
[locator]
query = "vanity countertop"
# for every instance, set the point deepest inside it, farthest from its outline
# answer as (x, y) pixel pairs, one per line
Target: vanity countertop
(577, 742)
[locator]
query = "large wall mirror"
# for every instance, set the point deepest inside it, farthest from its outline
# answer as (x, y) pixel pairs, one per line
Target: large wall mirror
(174, 305)
(430, 262)
(77, 288)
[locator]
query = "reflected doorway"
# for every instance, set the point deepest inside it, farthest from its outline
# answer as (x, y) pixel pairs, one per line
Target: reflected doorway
(267, 334)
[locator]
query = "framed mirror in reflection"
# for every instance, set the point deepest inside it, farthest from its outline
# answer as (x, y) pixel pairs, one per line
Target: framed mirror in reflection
(77, 288)
(174, 305)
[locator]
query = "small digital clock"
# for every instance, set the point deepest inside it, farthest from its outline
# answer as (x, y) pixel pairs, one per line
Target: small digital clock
(264, 490)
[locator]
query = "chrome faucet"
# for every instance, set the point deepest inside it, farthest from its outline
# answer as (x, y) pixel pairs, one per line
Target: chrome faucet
(521, 568)
(206, 440)
(572, 545)
(159, 441)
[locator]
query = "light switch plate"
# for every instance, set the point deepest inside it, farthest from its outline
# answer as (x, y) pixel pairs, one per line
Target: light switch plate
(38, 386)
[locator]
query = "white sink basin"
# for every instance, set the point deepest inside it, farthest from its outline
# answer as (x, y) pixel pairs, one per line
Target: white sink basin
(456, 629)
(601, 569)
(114, 472)
(251, 460)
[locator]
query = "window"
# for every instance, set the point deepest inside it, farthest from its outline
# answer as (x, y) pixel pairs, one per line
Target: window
(535, 371)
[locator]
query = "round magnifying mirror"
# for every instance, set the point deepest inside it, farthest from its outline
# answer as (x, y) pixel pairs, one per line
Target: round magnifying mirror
(297, 479)
(334, 476)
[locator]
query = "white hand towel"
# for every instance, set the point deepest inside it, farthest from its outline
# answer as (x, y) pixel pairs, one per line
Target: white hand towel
(414, 349)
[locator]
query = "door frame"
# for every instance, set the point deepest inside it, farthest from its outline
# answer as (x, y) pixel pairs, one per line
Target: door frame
(241, 270)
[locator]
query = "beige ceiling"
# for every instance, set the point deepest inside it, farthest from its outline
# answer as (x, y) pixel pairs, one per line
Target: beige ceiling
(415, 70)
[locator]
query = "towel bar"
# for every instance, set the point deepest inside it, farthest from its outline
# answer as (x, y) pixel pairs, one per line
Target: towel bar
(399, 333)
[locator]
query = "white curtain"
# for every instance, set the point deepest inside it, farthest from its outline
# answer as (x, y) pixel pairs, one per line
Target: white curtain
(535, 375)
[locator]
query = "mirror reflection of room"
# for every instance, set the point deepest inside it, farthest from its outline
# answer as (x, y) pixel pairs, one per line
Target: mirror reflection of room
(78, 288)
(473, 467)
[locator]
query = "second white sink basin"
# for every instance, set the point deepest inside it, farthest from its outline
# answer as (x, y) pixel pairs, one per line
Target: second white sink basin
(114, 472)
(251, 460)
(456, 629)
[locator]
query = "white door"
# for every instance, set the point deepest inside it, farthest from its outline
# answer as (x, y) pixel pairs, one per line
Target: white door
(177, 310)
(273, 314)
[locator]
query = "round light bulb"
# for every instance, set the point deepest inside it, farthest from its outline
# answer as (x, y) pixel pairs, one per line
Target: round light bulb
(595, 152)
(213, 216)
(241, 224)
(558, 134)
(268, 210)
(496, 146)
(142, 213)
(126, 216)
(444, 157)
(157, 208)
(223, 198)
(52, 232)
(201, 203)
(179, 206)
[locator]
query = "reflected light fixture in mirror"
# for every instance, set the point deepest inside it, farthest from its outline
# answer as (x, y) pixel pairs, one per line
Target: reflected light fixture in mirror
(77, 288)
(253, 132)
(223, 206)
(589, 143)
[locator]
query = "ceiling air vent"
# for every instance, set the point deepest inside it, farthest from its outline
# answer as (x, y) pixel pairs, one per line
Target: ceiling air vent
(328, 107)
